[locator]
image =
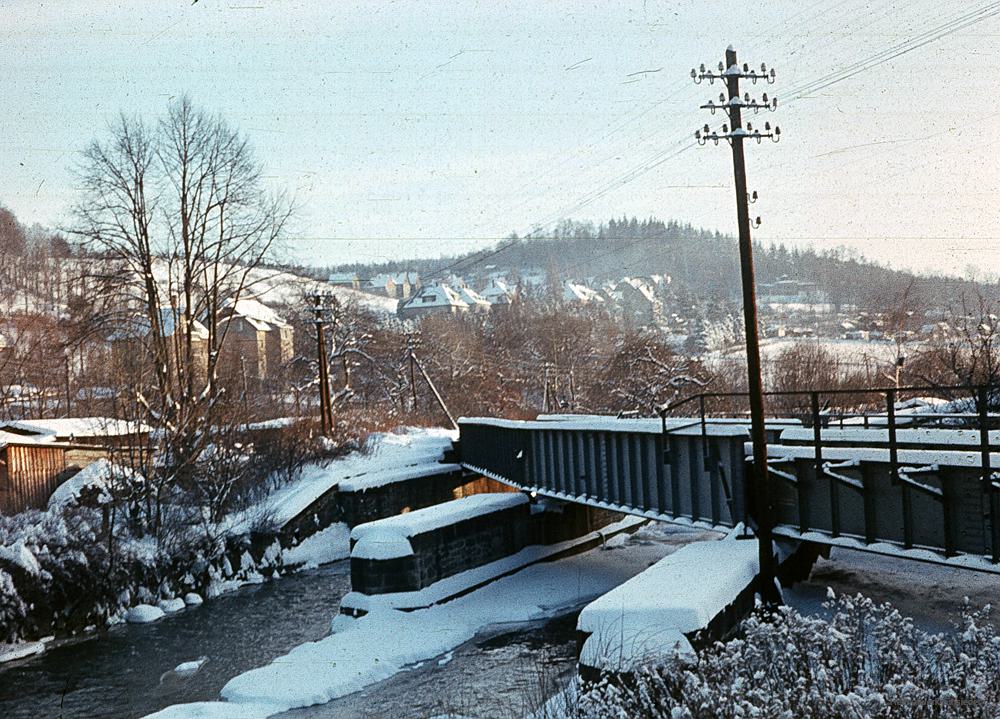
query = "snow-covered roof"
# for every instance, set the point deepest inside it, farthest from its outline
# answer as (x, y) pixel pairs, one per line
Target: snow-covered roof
(436, 296)
(343, 277)
(256, 313)
(641, 286)
(69, 427)
(498, 292)
(170, 319)
(471, 297)
(573, 292)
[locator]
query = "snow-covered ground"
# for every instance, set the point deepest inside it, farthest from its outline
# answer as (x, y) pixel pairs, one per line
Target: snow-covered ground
(362, 651)
(931, 594)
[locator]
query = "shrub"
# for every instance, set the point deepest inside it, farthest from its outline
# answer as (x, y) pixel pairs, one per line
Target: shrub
(867, 660)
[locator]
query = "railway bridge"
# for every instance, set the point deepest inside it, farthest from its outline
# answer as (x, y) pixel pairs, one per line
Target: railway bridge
(916, 480)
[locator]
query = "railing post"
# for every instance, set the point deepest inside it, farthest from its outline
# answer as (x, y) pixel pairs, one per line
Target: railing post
(983, 397)
(834, 502)
(704, 434)
(890, 407)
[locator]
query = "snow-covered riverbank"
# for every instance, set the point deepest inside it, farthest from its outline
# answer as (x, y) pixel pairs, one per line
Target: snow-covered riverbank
(362, 651)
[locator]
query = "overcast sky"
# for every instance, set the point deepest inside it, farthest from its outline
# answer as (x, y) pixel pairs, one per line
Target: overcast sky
(421, 128)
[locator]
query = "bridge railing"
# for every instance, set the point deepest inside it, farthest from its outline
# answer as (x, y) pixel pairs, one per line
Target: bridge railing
(911, 495)
(632, 465)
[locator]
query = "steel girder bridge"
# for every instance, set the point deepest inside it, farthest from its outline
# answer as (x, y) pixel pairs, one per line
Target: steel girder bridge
(910, 480)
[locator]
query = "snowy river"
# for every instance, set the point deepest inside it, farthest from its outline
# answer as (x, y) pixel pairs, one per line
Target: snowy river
(501, 673)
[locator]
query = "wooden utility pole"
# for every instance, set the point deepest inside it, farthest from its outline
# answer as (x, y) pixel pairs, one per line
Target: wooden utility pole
(735, 133)
(320, 309)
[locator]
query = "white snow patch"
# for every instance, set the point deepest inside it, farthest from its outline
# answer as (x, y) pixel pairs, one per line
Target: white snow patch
(13, 652)
(439, 515)
(193, 599)
(328, 545)
(651, 613)
(20, 555)
(144, 614)
(170, 606)
(191, 667)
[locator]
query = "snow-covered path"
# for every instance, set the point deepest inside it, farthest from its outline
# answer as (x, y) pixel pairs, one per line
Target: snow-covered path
(362, 651)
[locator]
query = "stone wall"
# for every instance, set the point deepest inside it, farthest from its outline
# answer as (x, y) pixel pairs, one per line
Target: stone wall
(373, 503)
(472, 543)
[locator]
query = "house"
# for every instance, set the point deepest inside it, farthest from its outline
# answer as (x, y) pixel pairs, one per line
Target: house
(258, 342)
(433, 299)
(499, 294)
(400, 285)
(131, 343)
(350, 280)
(476, 302)
(637, 300)
(575, 293)
(789, 291)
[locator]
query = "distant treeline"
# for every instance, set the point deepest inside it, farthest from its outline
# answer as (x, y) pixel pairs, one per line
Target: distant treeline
(701, 262)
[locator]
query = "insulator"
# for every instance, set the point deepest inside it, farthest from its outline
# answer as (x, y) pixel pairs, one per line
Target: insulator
(705, 129)
(694, 74)
(722, 97)
(767, 127)
(764, 99)
(746, 97)
(722, 67)
(725, 128)
(749, 127)
(754, 196)
(703, 68)
(763, 68)
(746, 68)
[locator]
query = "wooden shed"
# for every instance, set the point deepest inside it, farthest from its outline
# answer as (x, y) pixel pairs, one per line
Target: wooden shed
(29, 473)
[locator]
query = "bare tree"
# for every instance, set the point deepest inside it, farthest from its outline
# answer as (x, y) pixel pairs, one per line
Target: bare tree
(178, 219)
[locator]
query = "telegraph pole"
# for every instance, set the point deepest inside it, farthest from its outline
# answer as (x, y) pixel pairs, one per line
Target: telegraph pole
(319, 310)
(735, 133)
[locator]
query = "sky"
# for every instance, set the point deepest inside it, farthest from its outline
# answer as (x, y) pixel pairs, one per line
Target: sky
(420, 129)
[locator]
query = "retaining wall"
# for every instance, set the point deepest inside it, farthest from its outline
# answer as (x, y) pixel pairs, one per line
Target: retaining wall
(468, 543)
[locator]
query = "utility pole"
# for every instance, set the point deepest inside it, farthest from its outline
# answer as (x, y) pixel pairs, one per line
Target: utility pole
(735, 133)
(410, 347)
(320, 312)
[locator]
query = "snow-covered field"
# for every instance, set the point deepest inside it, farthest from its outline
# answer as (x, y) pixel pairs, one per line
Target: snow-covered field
(362, 651)
(849, 352)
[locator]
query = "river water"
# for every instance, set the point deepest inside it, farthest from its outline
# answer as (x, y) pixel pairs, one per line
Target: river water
(501, 674)
(127, 672)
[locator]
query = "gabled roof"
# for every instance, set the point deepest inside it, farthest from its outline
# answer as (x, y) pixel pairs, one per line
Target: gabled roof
(573, 292)
(471, 297)
(343, 277)
(257, 314)
(435, 296)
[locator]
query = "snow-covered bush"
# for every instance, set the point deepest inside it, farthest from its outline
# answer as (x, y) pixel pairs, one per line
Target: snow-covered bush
(867, 660)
